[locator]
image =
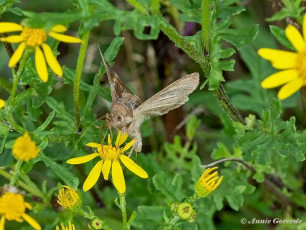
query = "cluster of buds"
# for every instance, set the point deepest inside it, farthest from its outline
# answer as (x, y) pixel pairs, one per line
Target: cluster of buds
(206, 184)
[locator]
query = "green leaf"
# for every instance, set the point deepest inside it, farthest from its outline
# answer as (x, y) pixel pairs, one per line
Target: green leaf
(149, 217)
(292, 8)
(138, 22)
(191, 127)
(280, 35)
(272, 138)
(48, 20)
(223, 31)
(62, 172)
(170, 187)
(46, 123)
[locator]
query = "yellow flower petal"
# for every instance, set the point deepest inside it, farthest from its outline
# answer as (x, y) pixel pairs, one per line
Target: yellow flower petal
(12, 39)
(118, 178)
(6, 27)
(295, 38)
(59, 28)
(93, 176)
(127, 146)
(304, 27)
(31, 221)
(51, 60)
(109, 140)
(2, 103)
(118, 139)
(2, 223)
(280, 59)
(65, 38)
(123, 138)
(93, 145)
(40, 64)
(81, 160)
(290, 88)
(133, 167)
(17, 55)
(279, 78)
(106, 168)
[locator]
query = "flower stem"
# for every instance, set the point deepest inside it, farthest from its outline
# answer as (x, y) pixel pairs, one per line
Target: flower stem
(17, 75)
(23, 185)
(78, 76)
(123, 210)
(173, 221)
(16, 172)
(138, 6)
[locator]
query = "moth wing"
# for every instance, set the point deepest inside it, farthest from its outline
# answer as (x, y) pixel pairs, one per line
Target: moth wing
(169, 98)
(117, 87)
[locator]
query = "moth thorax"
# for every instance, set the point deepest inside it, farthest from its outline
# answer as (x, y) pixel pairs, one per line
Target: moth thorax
(118, 108)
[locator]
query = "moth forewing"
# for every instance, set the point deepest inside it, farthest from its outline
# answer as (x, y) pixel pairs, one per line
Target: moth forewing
(115, 83)
(169, 98)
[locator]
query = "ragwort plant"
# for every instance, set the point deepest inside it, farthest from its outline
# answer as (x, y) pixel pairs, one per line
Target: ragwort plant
(53, 116)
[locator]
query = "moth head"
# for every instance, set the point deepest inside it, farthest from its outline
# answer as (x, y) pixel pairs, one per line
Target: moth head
(119, 113)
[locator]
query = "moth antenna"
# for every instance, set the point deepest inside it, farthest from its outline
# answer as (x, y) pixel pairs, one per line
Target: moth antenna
(85, 131)
(107, 66)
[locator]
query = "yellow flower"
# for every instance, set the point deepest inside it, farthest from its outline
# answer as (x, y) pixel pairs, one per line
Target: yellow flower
(35, 38)
(70, 227)
(13, 207)
(292, 64)
(24, 148)
(110, 159)
(2, 103)
(207, 183)
(68, 197)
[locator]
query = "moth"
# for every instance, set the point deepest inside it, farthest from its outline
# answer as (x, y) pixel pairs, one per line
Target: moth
(127, 113)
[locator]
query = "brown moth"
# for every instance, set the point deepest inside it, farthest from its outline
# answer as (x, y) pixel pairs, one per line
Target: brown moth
(127, 112)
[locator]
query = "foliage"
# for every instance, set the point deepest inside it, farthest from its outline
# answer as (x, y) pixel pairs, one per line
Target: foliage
(256, 140)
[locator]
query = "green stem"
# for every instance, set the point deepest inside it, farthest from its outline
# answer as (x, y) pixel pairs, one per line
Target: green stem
(205, 25)
(203, 61)
(173, 221)
(138, 6)
(78, 76)
(182, 43)
(13, 124)
(192, 199)
(17, 75)
(16, 172)
(155, 5)
(92, 216)
(22, 184)
(123, 210)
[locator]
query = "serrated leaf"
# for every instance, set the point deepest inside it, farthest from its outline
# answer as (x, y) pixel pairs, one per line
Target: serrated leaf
(148, 217)
(170, 187)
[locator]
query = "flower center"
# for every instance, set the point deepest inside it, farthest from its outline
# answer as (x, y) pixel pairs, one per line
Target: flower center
(301, 65)
(34, 37)
(12, 206)
(109, 152)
